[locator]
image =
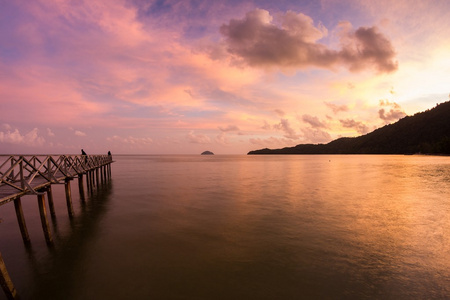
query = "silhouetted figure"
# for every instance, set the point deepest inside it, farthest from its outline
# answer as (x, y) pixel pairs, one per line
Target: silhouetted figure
(85, 155)
(109, 153)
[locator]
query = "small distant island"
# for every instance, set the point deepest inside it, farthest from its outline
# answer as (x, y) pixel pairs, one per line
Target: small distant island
(427, 132)
(207, 153)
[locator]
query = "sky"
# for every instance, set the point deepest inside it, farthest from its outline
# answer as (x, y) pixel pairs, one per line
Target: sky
(182, 77)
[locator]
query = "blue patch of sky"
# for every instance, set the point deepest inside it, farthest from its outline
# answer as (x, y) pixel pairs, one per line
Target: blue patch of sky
(159, 7)
(199, 18)
(13, 46)
(195, 31)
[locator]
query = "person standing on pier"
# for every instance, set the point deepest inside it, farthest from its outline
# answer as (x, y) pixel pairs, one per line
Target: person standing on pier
(85, 155)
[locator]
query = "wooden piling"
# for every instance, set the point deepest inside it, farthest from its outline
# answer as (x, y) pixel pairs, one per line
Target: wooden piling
(51, 205)
(87, 182)
(6, 282)
(91, 185)
(97, 176)
(21, 221)
(44, 220)
(103, 173)
(81, 186)
(91, 181)
(68, 198)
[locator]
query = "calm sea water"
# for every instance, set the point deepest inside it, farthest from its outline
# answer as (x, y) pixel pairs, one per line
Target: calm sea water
(243, 227)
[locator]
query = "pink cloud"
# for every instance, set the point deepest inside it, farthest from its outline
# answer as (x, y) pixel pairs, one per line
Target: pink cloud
(130, 140)
(50, 132)
(284, 126)
(229, 128)
(198, 138)
(315, 135)
(394, 114)
(79, 133)
(293, 44)
(337, 108)
(358, 126)
(31, 138)
(313, 121)
(222, 139)
(271, 142)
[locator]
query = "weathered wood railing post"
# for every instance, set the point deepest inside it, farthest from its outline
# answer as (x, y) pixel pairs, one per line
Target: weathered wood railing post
(81, 186)
(87, 181)
(27, 175)
(102, 173)
(51, 205)
(90, 180)
(97, 176)
(21, 221)
(44, 220)
(6, 282)
(18, 209)
(68, 198)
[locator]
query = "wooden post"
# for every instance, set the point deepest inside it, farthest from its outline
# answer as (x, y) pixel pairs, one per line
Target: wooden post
(91, 182)
(6, 282)
(103, 173)
(97, 176)
(87, 181)
(21, 221)
(81, 186)
(68, 198)
(51, 205)
(44, 221)
(91, 175)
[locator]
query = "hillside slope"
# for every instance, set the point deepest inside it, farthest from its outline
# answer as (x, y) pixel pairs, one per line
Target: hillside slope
(427, 132)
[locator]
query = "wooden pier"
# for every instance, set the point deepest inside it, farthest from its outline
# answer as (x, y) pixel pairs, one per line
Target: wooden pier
(22, 175)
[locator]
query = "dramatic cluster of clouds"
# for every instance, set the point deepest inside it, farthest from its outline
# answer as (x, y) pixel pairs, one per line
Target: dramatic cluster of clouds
(293, 42)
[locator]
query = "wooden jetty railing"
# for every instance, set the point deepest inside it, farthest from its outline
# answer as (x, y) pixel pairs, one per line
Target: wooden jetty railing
(34, 175)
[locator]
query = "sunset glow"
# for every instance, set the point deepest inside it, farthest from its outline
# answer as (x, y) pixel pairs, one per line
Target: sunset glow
(181, 77)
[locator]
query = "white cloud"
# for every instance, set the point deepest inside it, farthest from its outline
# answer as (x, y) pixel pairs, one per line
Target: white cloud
(50, 132)
(79, 133)
(31, 138)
